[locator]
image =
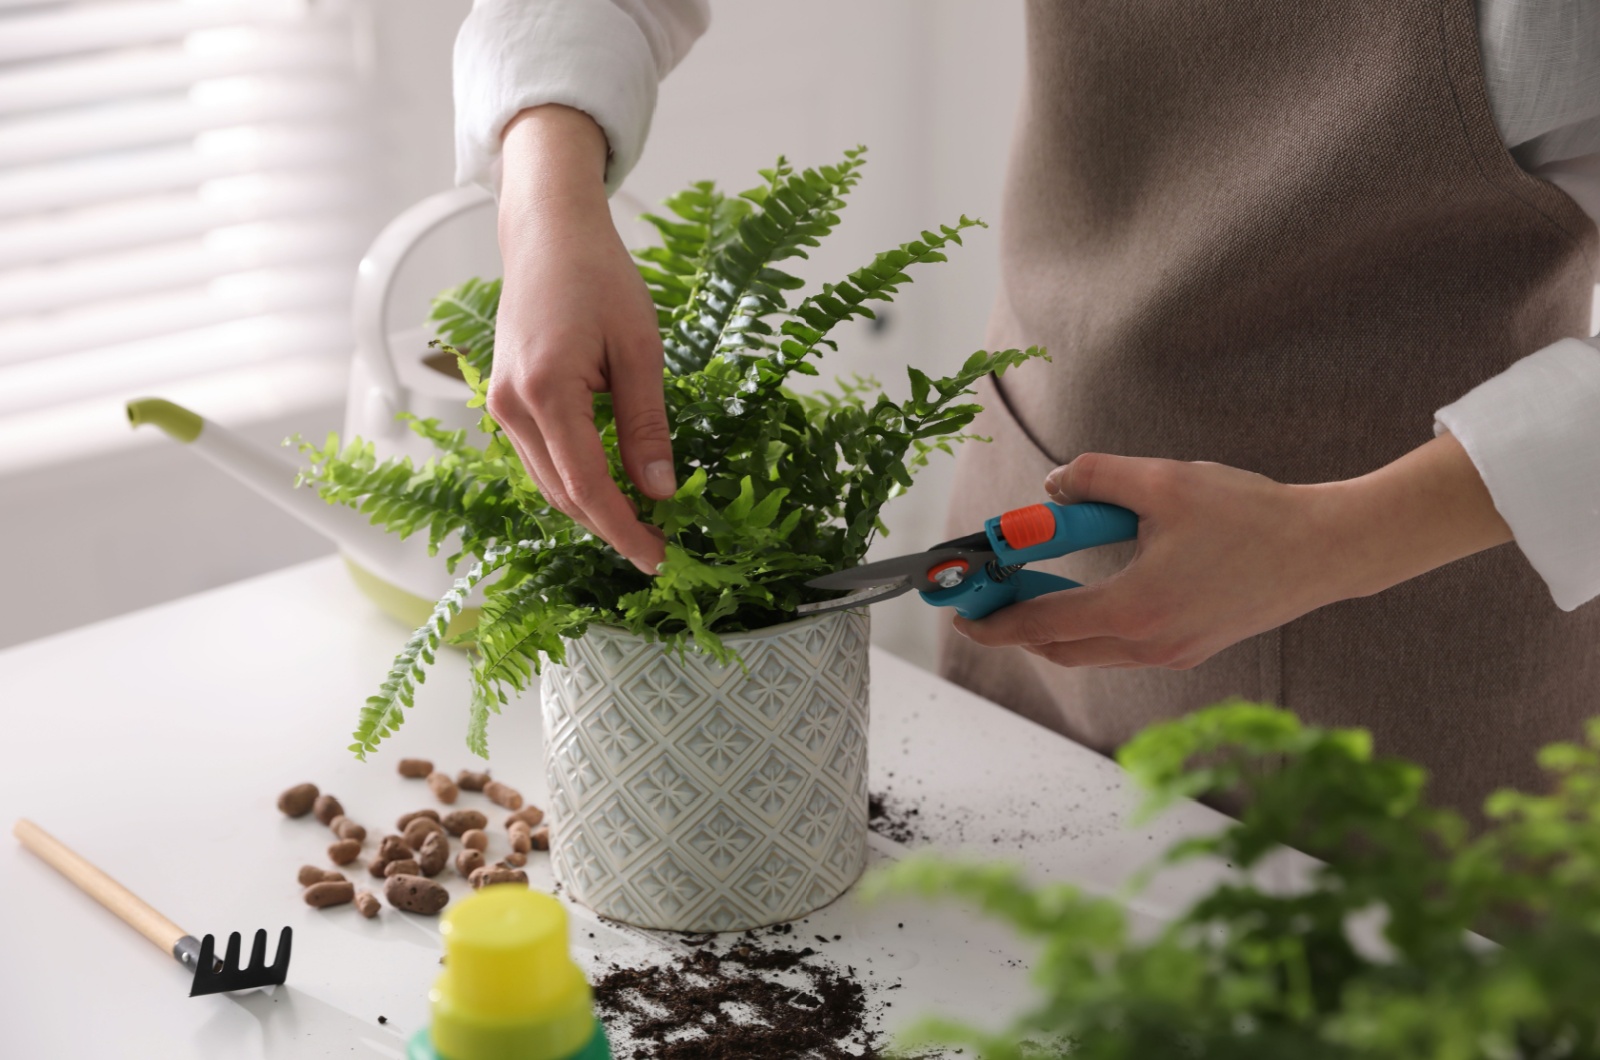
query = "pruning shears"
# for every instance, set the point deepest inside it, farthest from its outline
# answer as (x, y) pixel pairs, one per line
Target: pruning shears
(983, 572)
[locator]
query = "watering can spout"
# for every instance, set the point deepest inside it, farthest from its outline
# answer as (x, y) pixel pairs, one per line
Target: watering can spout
(269, 473)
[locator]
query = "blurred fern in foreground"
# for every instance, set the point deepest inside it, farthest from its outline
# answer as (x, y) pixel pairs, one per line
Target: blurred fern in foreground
(1247, 974)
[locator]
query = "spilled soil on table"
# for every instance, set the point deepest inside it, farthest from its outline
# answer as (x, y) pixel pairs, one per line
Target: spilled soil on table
(751, 999)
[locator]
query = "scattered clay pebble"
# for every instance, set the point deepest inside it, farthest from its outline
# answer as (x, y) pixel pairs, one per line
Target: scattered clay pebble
(444, 789)
(486, 877)
(532, 814)
(475, 838)
(415, 768)
(330, 892)
(345, 828)
(434, 855)
(541, 837)
(407, 818)
(310, 874)
(393, 848)
(467, 780)
(521, 838)
(516, 859)
(367, 903)
(459, 821)
(469, 861)
(327, 808)
(503, 795)
(419, 830)
(344, 851)
(415, 894)
(403, 867)
(298, 800)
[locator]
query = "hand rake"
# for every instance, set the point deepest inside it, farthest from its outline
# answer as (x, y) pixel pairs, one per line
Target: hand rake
(210, 975)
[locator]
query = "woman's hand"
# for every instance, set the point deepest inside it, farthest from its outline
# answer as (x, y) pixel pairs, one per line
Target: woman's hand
(575, 320)
(1224, 554)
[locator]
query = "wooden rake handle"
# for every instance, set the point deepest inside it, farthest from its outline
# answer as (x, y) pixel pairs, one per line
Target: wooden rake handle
(102, 888)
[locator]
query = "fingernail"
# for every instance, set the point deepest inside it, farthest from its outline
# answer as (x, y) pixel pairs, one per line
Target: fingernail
(960, 627)
(659, 479)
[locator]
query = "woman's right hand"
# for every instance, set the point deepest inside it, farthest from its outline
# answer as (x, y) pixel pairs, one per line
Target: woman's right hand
(575, 320)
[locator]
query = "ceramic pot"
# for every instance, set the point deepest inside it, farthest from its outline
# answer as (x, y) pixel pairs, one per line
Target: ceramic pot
(690, 796)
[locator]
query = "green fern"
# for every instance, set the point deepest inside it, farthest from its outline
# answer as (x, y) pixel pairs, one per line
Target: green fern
(384, 713)
(776, 487)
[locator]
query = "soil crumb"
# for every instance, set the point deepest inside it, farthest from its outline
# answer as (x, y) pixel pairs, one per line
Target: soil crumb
(745, 1002)
(896, 821)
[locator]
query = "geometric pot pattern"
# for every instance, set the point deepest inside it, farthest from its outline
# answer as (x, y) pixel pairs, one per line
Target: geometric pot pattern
(690, 796)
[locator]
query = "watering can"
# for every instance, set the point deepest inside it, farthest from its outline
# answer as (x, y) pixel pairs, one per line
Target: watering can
(386, 377)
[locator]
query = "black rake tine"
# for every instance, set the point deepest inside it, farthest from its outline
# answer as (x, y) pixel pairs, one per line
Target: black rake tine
(258, 951)
(212, 978)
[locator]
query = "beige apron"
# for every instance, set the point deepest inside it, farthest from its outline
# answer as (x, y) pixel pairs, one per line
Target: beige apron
(1279, 236)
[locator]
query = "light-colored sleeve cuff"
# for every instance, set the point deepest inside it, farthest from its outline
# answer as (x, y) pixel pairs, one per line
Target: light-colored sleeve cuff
(515, 54)
(1533, 433)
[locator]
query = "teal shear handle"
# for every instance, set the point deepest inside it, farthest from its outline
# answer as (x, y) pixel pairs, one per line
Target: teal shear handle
(1023, 535)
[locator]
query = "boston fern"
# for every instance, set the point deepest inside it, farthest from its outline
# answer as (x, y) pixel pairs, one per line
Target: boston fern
(777, 486)
(1248, 973)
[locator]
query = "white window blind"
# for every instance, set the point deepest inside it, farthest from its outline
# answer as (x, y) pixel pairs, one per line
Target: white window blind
(181, 190)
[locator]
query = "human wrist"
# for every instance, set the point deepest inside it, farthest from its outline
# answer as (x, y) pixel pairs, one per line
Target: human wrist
(553, 156)
(1422, 511)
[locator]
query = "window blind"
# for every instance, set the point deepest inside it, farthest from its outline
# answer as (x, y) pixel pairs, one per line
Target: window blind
(181, 201)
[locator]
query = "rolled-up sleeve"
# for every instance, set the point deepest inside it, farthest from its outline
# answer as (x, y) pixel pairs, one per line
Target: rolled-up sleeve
(603, 57)
(1533, 433)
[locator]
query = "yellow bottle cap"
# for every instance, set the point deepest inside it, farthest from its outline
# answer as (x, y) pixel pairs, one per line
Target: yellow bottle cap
(510, 988)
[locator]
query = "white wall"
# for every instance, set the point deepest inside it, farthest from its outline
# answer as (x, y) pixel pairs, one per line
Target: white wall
(928, 85)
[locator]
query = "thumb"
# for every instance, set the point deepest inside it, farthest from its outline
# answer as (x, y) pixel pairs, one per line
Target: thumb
(643, 434)
(1123, 480)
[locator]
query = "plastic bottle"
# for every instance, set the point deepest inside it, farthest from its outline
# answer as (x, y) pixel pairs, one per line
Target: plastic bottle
(510, 989)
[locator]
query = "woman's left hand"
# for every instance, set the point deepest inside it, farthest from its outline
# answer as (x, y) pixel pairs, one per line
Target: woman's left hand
(1224, 554)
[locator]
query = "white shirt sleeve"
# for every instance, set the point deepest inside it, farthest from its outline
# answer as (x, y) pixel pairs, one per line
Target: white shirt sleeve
(603, 57)
(1533, 433)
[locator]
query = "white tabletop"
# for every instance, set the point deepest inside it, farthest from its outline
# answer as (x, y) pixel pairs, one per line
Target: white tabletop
(156, 745)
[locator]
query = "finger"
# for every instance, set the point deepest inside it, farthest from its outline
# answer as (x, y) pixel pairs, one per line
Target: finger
(1128, 481)
(523, 433)
(643, 434)
(565, 415)
(534, 454)
(1111, 652)
(1072, 614)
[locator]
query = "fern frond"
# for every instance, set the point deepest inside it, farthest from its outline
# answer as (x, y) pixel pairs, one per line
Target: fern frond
(384, 713)
(485, 698)
(518, 626)
(727, 313)
(464, 317)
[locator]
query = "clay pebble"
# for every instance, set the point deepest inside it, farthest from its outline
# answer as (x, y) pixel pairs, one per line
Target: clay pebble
(541, 837)
(529, 813)
(406, 818)
(403, 867)
(310, 874)
(345, 828)
(475, 839)
(327, 808)
(434, 854)
(298, 800)
(467, 780)
(415, 894)
(417, 832)
(515, 860)
(344, 851)
(457, 822)
(503, 795)
(415, 768)
(488, 877)
(469, 861)
(329, 892)
(444, 789)
(367, 904)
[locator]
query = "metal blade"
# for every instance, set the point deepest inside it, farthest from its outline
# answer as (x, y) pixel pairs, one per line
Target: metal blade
(912, 569)
(856, 599)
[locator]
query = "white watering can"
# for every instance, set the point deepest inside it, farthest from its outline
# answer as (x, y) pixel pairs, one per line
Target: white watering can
(386, 377)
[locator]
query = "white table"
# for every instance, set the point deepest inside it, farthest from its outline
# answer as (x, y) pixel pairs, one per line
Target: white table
(156, 744)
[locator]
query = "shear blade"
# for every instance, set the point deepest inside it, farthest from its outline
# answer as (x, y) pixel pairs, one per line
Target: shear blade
(856, 599)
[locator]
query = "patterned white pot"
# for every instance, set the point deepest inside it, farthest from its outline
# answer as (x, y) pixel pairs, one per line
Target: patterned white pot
(689, 796)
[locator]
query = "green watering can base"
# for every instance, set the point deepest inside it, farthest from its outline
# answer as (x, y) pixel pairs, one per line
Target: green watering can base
(406, 608)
